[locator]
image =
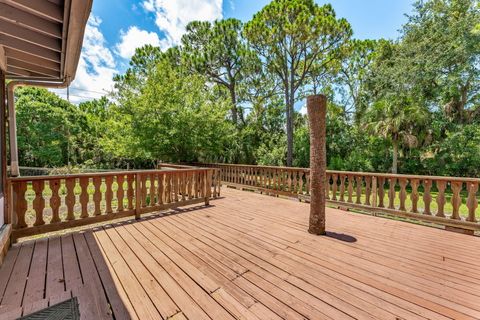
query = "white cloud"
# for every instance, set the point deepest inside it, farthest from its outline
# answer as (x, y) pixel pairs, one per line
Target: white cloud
(96, 66)
(135, 38)
(171, 17)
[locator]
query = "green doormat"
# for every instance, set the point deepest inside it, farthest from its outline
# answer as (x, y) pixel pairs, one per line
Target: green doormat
(67, 310)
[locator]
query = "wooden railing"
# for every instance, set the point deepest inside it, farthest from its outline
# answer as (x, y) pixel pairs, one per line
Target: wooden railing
(448, 201)
(40, 204)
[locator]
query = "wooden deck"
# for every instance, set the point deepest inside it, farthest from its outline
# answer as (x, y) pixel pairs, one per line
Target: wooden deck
(249, 256)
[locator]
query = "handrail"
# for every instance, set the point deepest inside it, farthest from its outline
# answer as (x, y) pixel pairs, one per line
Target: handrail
(97, 174)
(448, 201)
(40, 204)
(371, 174)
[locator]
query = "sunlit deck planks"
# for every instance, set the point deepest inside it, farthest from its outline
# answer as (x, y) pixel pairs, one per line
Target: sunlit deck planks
(249, 256)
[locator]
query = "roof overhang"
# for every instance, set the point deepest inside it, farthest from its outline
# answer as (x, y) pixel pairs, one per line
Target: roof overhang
(41, 40)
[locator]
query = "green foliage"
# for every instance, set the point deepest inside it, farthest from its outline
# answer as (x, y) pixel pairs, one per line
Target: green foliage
(48, 134)
(229, 91)
(218, 51)
(175, 118)
(298, 40)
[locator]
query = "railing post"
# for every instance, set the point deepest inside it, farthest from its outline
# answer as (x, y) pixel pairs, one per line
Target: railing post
(138, 195)
(374, 192)
(11, 197)
(208, 186)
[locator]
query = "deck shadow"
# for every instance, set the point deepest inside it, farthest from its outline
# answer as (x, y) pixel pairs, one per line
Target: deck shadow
(341, 236)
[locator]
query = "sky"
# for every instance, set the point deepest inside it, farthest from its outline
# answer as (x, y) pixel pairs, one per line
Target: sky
(116, 27)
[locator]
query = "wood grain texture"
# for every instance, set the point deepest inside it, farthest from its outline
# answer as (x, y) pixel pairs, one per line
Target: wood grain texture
(249, 257)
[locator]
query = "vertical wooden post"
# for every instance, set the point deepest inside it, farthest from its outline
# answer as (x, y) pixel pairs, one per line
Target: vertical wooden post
(208, 186)
(317, 114)
(5, 188)
(374, 191)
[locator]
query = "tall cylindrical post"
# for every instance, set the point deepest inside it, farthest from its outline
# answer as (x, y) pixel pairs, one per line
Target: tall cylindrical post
(317, 114)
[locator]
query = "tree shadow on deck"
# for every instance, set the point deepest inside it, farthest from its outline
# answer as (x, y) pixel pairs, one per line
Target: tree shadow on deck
(341, 236)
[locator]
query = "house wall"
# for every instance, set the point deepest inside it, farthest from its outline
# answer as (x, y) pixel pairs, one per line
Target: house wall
(3, 165)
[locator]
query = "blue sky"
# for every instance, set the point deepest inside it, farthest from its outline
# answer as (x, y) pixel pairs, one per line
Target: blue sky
(117, 27)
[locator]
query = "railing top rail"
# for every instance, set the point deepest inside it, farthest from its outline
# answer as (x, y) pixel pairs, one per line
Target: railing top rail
(257, 166)
(176, 166)
(104, 174)
(371, 174)
(405, 176)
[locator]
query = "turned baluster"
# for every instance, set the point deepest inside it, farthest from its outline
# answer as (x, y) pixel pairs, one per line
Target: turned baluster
(70, 198)
(20, 204)
(295, 182)
(55, 200)
(97, 195)
(359, 183)
(38, 202)
(143, 190)
(342, 187)
(472, 202)
(456, 199)
(403, 193)
(108, 194)
(350, 188)
(427, 197)
(120, 192)
(289, 181)
(334, 187)
(191, 185)
(368, 189)
(151, 189)
(414, 195)
(203, 184)
(381, 191)
(301, 183)
(160, 190)
(183, 183)
(327, 187)
(84, 197)
(441, 185)
(391, 193)
(274, 179)
(130, 191)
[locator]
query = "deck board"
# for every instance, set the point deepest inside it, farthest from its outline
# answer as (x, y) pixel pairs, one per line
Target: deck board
(248, 256)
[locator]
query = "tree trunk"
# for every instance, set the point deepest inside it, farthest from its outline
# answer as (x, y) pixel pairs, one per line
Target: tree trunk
(317, 111)
(395, 156)
(233, 97)
(290, 132)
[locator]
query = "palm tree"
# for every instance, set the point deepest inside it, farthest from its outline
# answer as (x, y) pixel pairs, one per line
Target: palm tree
(399, 121)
